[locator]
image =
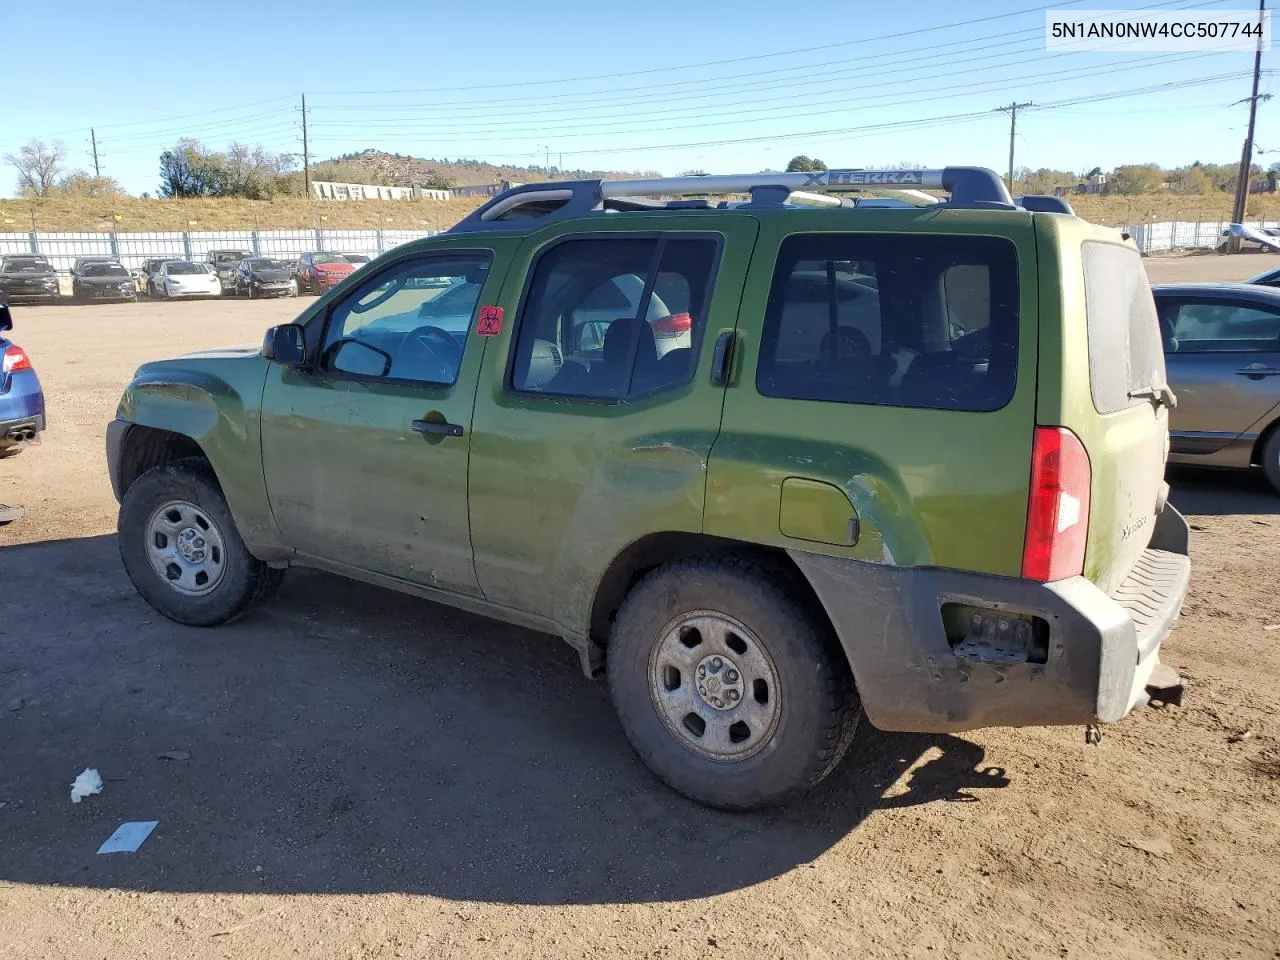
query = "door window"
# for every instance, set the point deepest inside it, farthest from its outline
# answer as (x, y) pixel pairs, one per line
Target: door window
(1223, 328)
(613, 318)
(408, 322)
(914, 321)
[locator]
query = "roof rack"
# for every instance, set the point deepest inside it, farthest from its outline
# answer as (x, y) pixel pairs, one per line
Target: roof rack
(1044, 204)
(967, 188)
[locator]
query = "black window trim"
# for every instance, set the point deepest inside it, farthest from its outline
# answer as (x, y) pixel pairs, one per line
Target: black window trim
(767, 320)
(1178, 302)
(508, 377)
(325, 319)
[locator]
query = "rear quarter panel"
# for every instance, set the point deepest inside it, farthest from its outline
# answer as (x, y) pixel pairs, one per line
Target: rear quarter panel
(930, 487)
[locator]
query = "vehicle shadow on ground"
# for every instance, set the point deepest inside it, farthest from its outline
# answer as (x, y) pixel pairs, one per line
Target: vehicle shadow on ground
(1201, 491)
(348, 739)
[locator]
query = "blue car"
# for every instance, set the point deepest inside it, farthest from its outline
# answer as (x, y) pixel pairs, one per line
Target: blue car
(21, 399)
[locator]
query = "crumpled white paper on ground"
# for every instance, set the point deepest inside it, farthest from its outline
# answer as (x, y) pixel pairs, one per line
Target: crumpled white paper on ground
(85, 784)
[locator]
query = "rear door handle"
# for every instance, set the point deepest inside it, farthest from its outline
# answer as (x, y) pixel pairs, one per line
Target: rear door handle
(438, 428)
(1257, 371)
(721, 359)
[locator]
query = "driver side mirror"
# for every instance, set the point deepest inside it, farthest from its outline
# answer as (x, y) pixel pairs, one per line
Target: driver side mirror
(286, 344)
(6, 318)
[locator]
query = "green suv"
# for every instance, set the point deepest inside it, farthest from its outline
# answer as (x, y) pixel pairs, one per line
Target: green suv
(767, 452)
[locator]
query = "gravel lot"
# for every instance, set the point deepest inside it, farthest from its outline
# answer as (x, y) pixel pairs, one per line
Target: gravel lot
(376, 776)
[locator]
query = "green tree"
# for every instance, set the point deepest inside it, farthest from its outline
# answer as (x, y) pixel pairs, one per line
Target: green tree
(800, 164)
(1136, 179)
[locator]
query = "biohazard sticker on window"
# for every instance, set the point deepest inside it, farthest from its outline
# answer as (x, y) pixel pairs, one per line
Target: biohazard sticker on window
(490, 322)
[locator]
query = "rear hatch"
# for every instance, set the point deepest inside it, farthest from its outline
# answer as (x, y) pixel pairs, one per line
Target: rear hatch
(1111, 392)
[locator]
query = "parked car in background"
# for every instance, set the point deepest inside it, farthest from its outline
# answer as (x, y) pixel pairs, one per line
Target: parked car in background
(150, 269)
(224, 264)
(102, 280)
(182, 278)
(264, 277)
(1222, 353)
(79, 263)
(21, 398)
(28, 277)
(318, 272)
(1270, 278)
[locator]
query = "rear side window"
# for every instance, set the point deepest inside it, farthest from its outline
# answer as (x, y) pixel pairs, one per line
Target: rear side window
(1126, 353)
(913, 321)
(612, 318)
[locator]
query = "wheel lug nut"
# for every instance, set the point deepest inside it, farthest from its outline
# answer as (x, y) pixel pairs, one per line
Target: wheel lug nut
(733, 696)
(717, 663)
(732, 676)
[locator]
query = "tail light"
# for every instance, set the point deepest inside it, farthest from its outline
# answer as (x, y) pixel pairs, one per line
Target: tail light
(1058, 509)
(15, 359)
(673, 325)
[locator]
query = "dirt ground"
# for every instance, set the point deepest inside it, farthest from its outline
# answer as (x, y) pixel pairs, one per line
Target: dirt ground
(373, 776)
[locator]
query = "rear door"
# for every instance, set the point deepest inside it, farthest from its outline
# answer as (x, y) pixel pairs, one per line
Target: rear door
(1223, 358)
(591, 429)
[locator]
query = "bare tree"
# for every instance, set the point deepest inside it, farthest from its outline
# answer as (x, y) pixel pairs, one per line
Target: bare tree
(38, 164)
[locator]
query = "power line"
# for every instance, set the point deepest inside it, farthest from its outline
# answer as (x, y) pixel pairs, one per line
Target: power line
(732, 60)
(441, 134)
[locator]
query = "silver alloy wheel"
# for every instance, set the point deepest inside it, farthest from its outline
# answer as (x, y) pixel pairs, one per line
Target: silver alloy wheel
(185, 548)
(715, 686)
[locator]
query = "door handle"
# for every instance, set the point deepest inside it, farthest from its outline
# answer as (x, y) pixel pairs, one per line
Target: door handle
(721, 359)
(438, 428)
(1256, 371)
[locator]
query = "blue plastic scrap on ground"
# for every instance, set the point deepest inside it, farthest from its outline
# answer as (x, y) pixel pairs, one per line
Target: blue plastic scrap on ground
(128, 836)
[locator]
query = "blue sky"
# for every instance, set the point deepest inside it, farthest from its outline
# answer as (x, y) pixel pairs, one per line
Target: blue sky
(665, 86)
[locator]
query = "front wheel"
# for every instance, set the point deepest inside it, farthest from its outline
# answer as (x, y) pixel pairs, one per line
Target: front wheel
(181, 549)
(727, 686)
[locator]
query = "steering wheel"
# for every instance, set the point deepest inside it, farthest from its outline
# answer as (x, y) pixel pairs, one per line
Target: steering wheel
(430, 340)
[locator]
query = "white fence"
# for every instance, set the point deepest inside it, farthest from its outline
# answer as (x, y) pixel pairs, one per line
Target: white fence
(131, 249)
(1185, 234)
(61, 249)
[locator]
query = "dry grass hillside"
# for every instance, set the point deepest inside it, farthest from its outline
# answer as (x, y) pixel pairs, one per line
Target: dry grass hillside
(140, 216)
(392, 169)
(81, 214)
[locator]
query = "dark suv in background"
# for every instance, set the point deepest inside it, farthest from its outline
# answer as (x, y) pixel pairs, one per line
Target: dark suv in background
(28, 277)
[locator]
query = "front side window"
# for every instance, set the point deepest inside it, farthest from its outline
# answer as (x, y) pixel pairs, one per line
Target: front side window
(611, 318)
(897, 320)
(409, 322)
(1223, 328)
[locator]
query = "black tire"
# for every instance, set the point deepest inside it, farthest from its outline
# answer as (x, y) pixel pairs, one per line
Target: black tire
(245, 580)
(818, 708)
(1271, 459)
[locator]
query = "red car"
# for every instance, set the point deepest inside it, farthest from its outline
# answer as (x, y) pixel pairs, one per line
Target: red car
(318, 272)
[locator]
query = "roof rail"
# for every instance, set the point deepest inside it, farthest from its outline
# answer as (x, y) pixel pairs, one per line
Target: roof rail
(967, 187)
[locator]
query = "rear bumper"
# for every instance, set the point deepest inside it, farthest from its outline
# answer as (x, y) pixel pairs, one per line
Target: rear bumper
(1098, 652)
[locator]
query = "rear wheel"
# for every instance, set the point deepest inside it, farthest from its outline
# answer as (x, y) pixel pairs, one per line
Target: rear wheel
(1271, 459)
(181, 549)
(727, 686)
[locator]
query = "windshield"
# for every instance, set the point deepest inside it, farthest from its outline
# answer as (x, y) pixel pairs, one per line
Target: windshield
(329, 258)
(228, 257)
(356, 257)
(27, 265)
(179, 266)
(105, 270)
(264, 263)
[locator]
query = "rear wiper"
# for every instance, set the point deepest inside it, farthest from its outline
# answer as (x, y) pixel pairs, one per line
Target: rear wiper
(1161, 396)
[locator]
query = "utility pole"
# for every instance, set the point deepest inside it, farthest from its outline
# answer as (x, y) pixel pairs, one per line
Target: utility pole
(1012, 110)
(306, 155)
(1246, 156)
(93, 138)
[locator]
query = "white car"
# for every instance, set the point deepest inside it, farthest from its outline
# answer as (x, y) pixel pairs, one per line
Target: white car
(182, 278)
